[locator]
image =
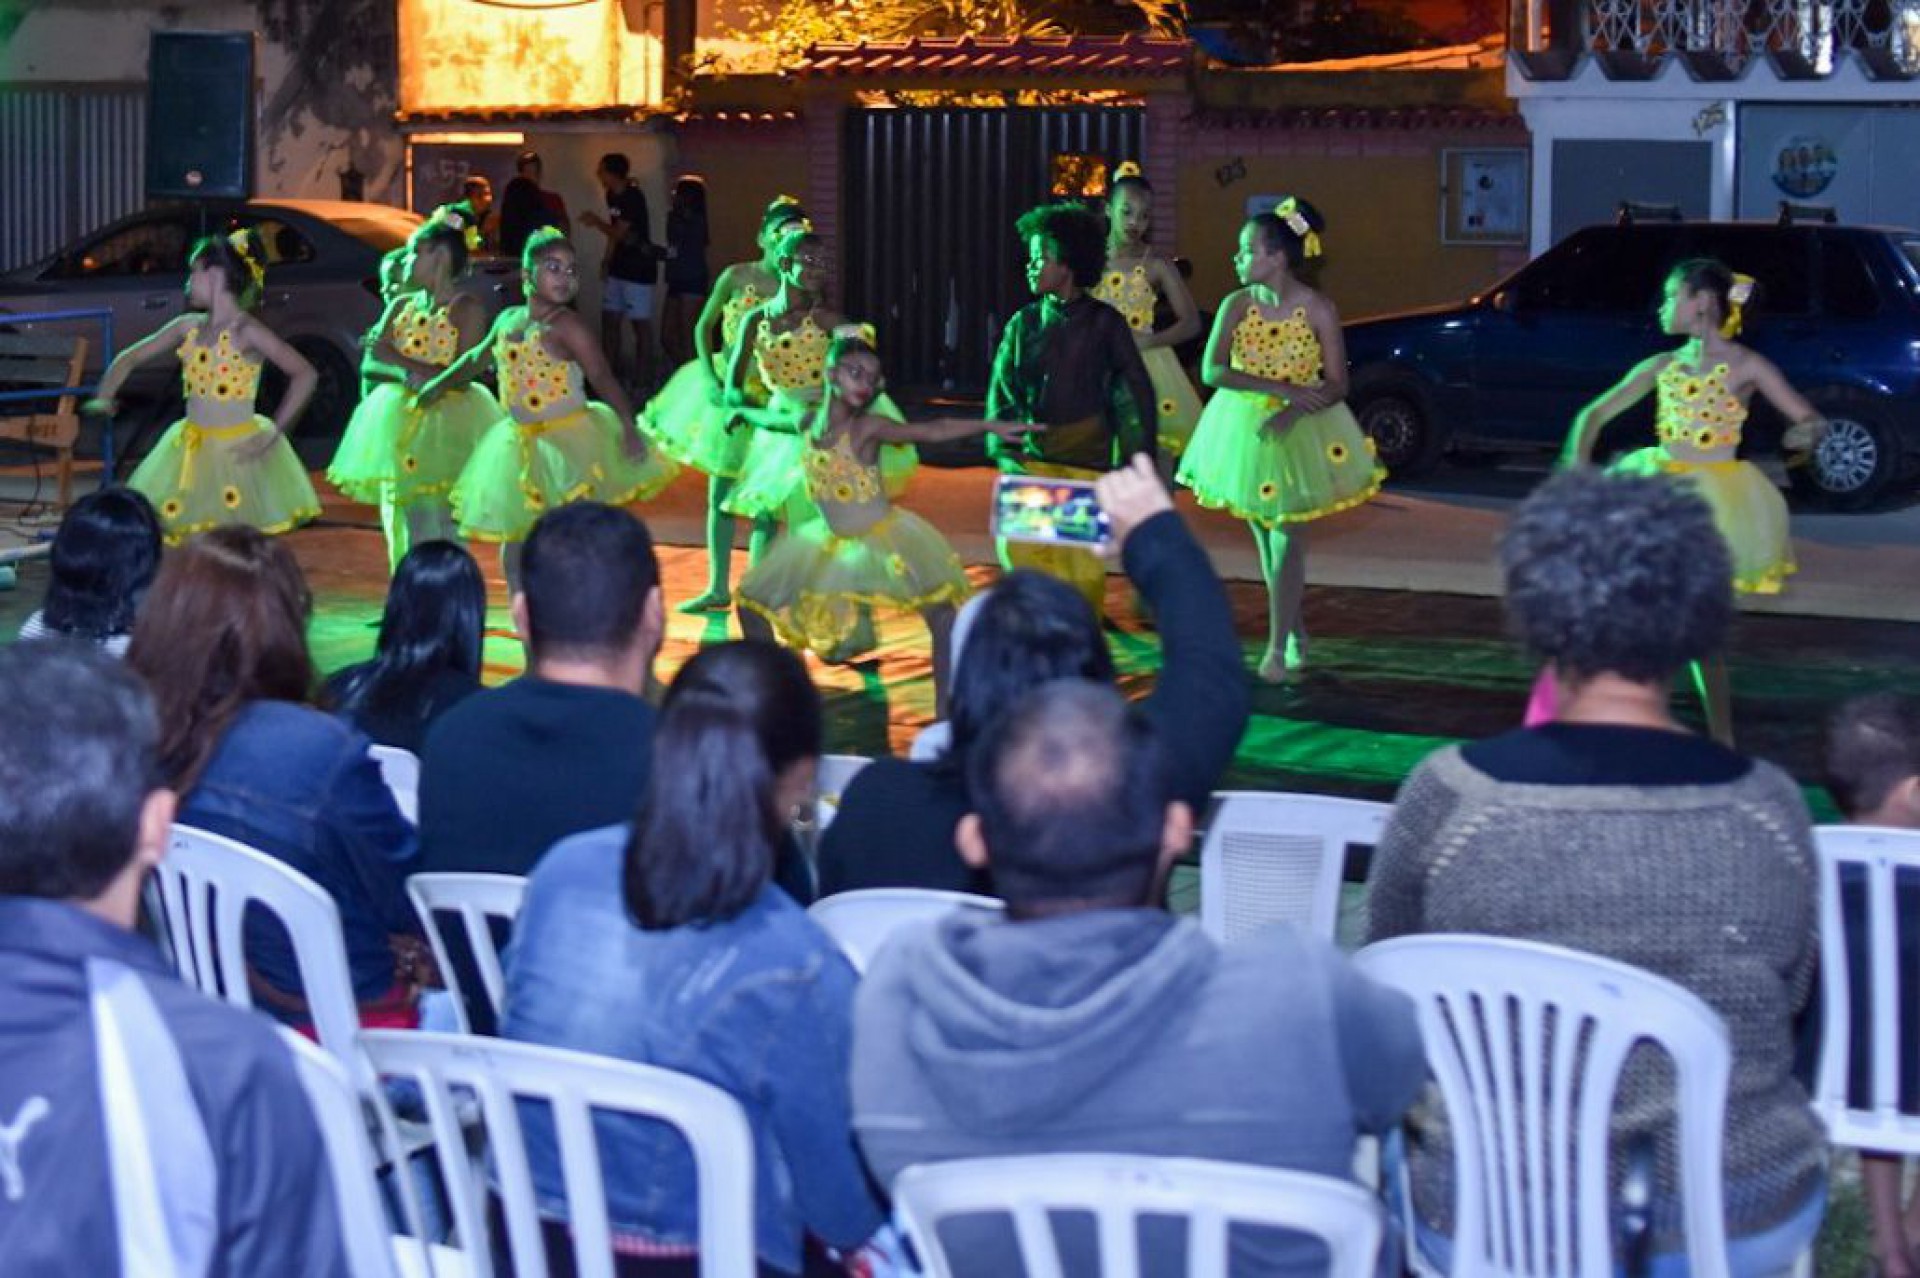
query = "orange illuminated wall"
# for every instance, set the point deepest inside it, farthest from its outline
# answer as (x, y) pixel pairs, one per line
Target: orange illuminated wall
(468, 55)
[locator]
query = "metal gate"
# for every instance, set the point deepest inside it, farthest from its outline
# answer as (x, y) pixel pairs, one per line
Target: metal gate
(70, 160)
(929, 251)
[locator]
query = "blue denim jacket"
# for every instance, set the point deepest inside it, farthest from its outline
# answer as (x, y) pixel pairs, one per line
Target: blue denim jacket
(298, 785)
(760, 1005)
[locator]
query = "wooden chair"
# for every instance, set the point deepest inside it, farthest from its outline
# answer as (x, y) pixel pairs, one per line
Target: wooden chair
(55, 362)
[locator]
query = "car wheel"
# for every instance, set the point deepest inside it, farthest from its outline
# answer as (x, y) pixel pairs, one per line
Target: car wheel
(1395, 416)
(1854, 463)
(334, 396)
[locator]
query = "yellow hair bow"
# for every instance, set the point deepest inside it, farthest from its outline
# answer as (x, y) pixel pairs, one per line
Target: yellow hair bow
(1288, 211)
(244, 248)
(859, 332)
(1737, 298)
(1127, 169)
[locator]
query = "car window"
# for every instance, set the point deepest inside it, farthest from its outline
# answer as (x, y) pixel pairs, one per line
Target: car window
(156, 246)
(284, 244)
(384, 233)
(1777, 260)
(1910, 250)
(1601, 269)
(1847, 289)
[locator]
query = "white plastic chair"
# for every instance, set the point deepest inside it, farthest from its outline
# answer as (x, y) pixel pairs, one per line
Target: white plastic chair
(373, 1249)
(496, 1074)
(1278, 858)
(1881, 1126)
(476, 899)
(204, 886)
(832, 775)
(1117, 1190)
(400, 769)
(860, 922)
(1488, 1009)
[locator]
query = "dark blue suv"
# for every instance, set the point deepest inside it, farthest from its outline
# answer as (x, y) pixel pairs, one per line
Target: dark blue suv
(1837, 308)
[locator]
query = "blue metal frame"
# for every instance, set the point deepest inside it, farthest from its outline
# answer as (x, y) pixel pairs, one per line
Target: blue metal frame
(86, 388)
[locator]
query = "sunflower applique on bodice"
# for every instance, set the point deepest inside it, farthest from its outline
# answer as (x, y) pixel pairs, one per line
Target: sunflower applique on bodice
(794, 360)
(426, 333)
(843, 485)
(1284, 350)
(735, 310)
(535, 385)
(1131, 293)
(220, 371)
(1696, 417)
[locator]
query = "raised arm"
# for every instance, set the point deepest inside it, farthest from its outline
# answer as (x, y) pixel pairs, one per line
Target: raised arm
(1186, 315)
(161, 344)
(937, 430)
(1593, 419)
(471, 362)
(1806, 424)
(710, 315)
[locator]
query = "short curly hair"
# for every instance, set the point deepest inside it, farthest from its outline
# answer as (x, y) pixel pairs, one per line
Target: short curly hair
(1621, 574)
(1076, 236)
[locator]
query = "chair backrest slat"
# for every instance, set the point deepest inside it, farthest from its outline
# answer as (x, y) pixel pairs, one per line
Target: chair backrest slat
(1272, 858)
(476, 900)
(1514, 1032)
(860, 922)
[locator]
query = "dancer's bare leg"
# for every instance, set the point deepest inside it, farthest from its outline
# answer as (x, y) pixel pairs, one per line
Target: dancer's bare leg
(939, 620)
(718, 596)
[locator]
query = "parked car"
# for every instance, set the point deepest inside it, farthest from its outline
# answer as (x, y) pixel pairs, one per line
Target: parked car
(323, 261)
(1837, 308)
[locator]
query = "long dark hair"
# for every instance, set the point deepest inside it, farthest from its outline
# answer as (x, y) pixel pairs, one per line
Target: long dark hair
(224, 625)
(104, 558)
(436, 608)
(737, 717)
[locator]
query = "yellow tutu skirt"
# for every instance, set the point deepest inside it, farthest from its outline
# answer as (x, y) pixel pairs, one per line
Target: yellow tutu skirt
(196, 480)
(1321, 465)
(690, 426)
(812, 584)
(518, 472)
(394, 447)
(1173, 392)
(1749, 511)
(773, 475)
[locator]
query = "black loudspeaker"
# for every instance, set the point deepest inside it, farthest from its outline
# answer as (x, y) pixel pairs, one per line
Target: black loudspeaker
(200, 114)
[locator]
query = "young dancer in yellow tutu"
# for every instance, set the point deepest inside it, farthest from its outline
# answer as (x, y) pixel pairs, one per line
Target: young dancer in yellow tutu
(396, 453)
(779, 364)
(554, 445)
(223, 463)
(1701, 392)
(852, 549)
(1277, 445)
(687, 418)
(1136, 280)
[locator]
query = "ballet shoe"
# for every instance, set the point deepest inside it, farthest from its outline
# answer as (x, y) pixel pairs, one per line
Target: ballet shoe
(708, 602)
(1275, 668)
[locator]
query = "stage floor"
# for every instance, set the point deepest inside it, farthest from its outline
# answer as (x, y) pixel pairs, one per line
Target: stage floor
(1396, 672)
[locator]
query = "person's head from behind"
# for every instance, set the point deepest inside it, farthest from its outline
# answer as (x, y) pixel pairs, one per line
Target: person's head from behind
(1872, 759)
(225, 625)
(690, 195)
(1066, 248)
(741, 725)
(590, 595)
(527, 165)
(1616, 575)
(104, 557)
(1030, 629)
(1073, 807)
(82, 815)
(434, 619)
(613, 171)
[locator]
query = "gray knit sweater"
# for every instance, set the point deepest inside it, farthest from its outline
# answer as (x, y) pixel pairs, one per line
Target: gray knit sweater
(1711, 886)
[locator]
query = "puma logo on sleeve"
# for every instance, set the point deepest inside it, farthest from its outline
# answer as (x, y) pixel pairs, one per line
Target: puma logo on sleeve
(13, 1181)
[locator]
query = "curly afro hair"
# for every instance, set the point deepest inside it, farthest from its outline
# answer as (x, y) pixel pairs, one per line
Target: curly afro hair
(1621, 574)
(1076, 236)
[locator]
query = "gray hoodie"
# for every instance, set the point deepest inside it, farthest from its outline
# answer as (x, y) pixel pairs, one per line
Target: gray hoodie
(1125, 1031)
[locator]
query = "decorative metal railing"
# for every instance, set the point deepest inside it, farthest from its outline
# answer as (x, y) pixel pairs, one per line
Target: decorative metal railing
(1813, 32)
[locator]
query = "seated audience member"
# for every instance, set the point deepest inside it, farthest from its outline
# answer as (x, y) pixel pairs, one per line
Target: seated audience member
(667, 943)
(1873, 773)
(512, 770)
(894, 827)
(181, 1142)
(1615, 831)
(1089, 1021)
(221, 642)
(104, 556)
(428, 657)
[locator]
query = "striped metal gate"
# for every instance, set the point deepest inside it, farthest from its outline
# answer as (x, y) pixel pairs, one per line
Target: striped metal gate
(71, 160)
(929, 252)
